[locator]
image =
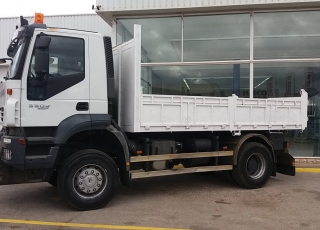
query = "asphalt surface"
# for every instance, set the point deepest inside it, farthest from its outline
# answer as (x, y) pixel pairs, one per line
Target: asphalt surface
(208, 201)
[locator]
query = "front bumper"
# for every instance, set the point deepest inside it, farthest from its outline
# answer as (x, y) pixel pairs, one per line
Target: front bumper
(16, 167)
(12, 152)
(12, 161)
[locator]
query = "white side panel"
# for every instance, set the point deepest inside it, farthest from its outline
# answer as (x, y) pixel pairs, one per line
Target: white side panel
(98, 76)
(127, 64)
(162, 113)
(10, 116)
(184, 113)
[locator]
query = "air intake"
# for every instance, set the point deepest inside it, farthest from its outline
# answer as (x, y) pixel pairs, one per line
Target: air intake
(109, 56)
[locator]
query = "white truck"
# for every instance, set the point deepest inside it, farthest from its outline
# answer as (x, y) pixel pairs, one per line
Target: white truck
(73, 115)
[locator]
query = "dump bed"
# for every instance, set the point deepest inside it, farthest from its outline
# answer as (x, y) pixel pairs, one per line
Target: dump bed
(138, 112)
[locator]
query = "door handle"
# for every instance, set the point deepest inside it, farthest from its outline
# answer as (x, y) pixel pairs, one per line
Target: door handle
(82, 106)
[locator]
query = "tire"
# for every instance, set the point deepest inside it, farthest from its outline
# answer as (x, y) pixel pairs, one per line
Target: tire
(88, 179)
(53, 179)
(254, 166)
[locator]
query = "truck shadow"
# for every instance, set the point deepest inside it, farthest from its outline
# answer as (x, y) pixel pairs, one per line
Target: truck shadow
(42, 195)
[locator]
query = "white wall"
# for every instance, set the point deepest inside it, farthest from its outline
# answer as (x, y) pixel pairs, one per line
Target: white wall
(3, 71)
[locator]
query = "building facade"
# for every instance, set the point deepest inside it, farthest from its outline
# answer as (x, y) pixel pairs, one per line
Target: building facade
(254, 49)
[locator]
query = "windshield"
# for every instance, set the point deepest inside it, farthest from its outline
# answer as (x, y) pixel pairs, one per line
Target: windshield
(15, 62)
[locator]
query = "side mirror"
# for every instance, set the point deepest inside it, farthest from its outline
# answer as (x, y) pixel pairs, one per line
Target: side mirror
(41, 66)
(43, 42)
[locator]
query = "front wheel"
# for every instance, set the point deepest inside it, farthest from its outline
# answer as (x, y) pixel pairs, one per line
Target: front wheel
(254, 166)
(88, 179)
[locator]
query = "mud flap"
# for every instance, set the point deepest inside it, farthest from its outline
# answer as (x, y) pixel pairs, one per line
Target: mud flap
(285, 163)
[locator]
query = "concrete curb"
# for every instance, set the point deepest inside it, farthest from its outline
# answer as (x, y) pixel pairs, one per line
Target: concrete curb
(308, 160)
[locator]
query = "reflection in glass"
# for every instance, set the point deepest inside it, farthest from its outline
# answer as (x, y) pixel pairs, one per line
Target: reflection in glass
(287, 35)
(161, 37)
(217, 37)
(209, 80)
(285, 79)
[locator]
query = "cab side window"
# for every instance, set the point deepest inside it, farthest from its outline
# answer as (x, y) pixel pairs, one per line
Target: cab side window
(66, 68)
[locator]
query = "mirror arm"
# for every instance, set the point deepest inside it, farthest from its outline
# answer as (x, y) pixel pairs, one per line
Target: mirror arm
(3, 60)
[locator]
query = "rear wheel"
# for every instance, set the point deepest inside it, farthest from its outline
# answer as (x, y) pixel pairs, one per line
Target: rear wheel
(87, 180)
(254, 166)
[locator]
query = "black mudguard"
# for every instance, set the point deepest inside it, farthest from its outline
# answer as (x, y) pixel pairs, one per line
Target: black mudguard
(285, 163)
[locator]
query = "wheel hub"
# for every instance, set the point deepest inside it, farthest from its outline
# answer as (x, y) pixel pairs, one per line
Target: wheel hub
(256, 165)
(88, 180)
(253, 165)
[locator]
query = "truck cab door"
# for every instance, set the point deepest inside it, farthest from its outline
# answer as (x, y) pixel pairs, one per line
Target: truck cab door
(64, 91)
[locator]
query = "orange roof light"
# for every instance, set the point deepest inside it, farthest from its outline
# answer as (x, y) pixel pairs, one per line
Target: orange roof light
(38, 18)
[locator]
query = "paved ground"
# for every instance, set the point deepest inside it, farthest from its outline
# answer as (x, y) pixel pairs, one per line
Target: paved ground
(200, 201)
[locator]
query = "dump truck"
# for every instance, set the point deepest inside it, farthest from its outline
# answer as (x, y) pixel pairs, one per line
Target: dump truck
(73, 114)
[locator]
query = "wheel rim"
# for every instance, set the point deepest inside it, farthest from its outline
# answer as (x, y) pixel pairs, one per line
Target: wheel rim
(256, 165)
(90, 181)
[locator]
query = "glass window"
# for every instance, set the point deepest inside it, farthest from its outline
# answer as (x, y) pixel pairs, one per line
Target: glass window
(208, 80)
(285, 79)
(287, 35)
(161, 37)
(217, 37)
(66, 68)
(16, 61)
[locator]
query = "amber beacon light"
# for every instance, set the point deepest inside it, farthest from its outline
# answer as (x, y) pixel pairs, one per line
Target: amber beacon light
(38, 18)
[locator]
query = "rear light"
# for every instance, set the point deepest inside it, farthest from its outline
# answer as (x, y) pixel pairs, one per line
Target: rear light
(288, 145)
